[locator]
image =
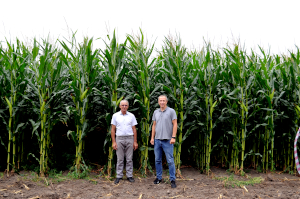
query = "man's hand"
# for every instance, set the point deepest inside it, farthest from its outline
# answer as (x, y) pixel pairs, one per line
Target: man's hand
(172, 141)
(114, 145)
(152, 141)
(135, 145)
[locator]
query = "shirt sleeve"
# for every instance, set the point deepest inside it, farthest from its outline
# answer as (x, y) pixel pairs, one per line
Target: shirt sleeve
(113, 120)
(153, 117)
(134, 122)
(173, 115)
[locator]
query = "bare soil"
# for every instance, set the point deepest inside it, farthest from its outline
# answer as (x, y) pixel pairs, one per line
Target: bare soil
(193, 185)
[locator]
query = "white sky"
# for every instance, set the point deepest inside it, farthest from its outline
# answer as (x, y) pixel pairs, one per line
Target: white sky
(274, 24)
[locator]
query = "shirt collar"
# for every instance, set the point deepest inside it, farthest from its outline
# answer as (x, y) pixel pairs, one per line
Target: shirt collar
(122, 113)
(164, 110)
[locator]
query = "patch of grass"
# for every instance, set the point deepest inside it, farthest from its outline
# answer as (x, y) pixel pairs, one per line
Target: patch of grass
(35, 177)
(231, 181)
(92, 180)
(259, 169)
(1, 174)
(56, 176)
(79, 175)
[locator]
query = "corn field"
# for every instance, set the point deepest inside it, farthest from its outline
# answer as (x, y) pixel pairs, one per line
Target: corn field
(235, 109)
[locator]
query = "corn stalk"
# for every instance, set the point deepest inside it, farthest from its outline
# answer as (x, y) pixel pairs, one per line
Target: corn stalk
(13, 62)
(113, 75)
(46, 82)
(139, 76)
(177, 68)
(83, 65)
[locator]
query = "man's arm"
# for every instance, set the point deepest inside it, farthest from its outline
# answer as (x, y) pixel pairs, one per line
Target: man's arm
(174, 131)
(135, 144)
(113, 137)
(153, 133)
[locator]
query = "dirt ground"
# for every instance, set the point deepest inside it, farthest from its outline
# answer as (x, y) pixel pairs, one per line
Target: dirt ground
(193, 185)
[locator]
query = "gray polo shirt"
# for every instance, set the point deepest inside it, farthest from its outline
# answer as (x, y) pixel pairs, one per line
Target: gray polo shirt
(164, 125)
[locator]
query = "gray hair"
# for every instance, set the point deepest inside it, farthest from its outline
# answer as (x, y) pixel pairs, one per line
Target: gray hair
(124, 101)
(163, 96)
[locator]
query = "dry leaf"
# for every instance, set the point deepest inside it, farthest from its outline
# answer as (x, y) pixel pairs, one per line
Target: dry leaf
(36, 197)
(3, 189)
(17, 192)
(26, 187)
(176, 196)
(244, 188)
(69, 195)
(141, 196)
(109, 194)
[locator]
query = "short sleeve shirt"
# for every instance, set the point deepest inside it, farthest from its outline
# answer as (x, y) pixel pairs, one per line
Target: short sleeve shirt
(124, 123)
(164, 125)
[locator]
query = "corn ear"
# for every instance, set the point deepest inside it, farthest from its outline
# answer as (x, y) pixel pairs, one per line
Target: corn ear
(244, 107)
(9, 105)
(119, 100)
(42, 107)
(272, 95)
(297, 108)
(83, 95)
(214, 104)
(212, 107)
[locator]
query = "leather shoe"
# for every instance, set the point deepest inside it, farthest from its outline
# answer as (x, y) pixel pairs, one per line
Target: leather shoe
(130, 179)
(173, 184)
(117, 180)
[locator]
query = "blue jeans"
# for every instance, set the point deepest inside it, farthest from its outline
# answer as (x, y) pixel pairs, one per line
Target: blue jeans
(159, 147)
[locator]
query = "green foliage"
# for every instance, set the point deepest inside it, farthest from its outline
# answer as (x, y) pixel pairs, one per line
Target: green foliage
(234, 108)
(79, 175)
(231, 181)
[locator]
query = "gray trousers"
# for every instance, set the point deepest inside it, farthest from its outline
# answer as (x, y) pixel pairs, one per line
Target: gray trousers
(125, 149)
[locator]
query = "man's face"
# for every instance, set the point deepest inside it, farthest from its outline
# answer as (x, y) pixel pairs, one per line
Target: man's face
(123, 106)
(162, 101)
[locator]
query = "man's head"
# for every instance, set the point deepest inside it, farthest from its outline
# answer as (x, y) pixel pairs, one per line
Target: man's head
(124, 104)
(162, 101)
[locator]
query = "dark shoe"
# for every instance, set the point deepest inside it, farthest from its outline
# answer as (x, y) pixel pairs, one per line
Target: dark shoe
(173, 184)
(157, 181)
(117, 180)
(130, 179)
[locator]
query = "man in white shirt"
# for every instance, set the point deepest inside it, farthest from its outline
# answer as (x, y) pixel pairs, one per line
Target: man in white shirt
(124, 140)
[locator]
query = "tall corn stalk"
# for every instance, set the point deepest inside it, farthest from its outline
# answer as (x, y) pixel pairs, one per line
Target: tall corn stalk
(113, 76)
(47, 83)
(207, 66)
(177, 69)
(14, 61)
(83, 64)
(266, 82)
(240, 73)
(139, 76)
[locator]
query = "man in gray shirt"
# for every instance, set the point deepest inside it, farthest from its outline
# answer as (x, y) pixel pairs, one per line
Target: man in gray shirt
(163, 137)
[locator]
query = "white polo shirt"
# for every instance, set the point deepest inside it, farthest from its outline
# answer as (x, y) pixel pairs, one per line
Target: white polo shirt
(124, 123)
